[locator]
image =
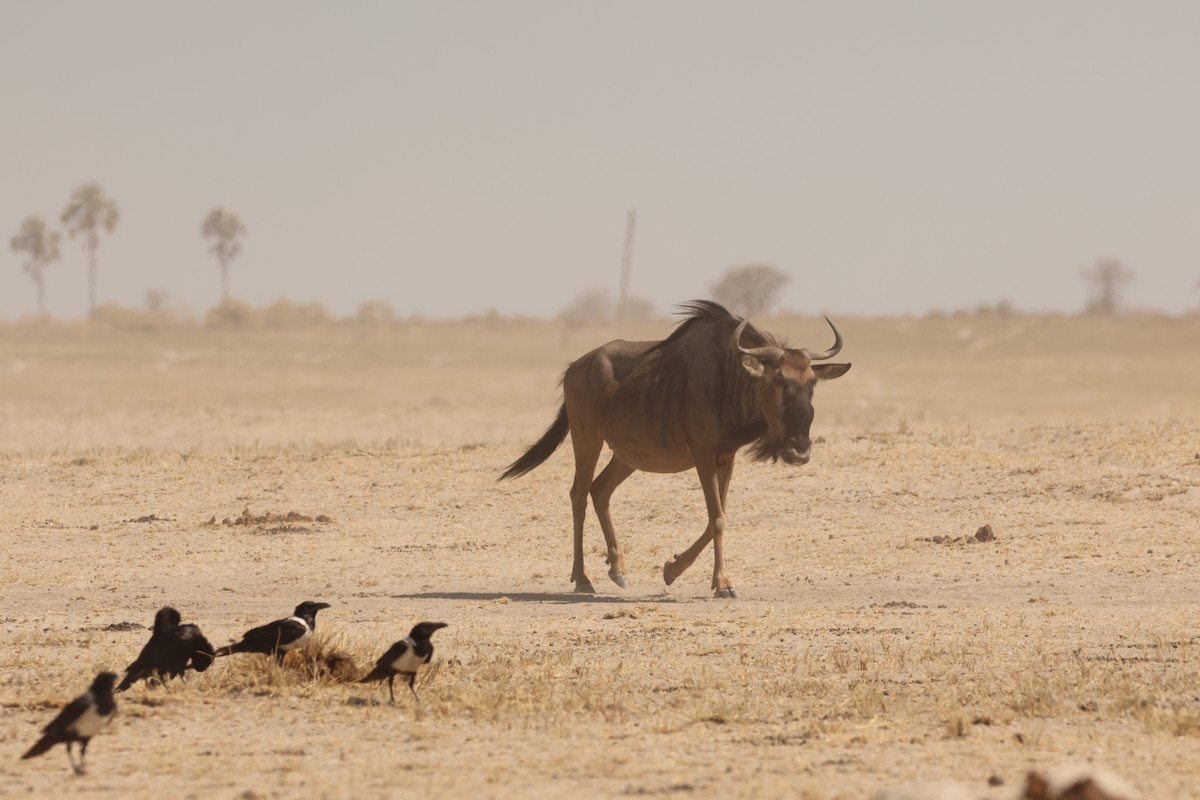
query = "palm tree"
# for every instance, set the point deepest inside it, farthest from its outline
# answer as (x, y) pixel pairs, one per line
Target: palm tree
(89, 210)
(41, 243)
(1107, 277)
(224, 228)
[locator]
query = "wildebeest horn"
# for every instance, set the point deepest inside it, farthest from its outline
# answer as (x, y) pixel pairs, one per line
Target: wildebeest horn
(768, 353)
(831, 352)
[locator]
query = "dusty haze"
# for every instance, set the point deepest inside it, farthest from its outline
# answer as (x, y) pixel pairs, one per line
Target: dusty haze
(451, 158)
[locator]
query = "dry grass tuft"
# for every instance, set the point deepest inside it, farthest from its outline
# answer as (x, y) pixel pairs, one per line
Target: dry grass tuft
(331, 657)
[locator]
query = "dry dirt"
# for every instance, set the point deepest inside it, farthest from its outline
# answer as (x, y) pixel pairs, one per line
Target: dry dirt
(874, 640)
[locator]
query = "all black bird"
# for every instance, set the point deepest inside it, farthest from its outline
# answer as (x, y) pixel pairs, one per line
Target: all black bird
(80, 720)
(171, 650)
(281, 636)
(405, 657)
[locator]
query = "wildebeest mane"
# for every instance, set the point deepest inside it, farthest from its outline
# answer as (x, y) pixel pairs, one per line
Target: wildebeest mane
(707, 326)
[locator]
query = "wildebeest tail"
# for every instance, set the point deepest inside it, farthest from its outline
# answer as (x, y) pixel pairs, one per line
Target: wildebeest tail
(541, 449)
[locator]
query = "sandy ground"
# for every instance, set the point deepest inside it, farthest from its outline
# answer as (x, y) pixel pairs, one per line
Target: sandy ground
(874, 640)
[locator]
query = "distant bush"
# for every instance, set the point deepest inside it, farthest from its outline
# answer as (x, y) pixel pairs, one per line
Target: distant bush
(232, 314)
(132, 319)
(375, 312)
(593, 305)
(1002, 308)
(283, 313)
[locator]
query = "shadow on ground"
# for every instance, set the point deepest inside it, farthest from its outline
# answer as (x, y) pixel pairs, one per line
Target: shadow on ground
(533, 597)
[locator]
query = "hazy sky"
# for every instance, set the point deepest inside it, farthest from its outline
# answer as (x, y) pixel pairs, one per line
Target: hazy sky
(451, 157)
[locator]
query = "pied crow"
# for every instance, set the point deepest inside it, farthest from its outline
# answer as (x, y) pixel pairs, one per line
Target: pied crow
(281, 636)
(405, 657)
(79, 721)
(171, 650)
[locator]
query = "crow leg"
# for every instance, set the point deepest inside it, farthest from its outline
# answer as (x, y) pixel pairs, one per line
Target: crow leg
(79, 767)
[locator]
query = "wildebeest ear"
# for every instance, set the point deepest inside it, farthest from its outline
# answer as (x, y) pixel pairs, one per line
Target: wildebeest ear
(753, 366)
(827, 372)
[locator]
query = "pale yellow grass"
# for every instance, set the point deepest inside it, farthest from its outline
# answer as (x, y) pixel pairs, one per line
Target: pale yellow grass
(861, 652)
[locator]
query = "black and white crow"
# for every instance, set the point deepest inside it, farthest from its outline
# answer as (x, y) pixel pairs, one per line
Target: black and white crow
(281, 636)
(171, 650)
(405, 657)
(80, 720)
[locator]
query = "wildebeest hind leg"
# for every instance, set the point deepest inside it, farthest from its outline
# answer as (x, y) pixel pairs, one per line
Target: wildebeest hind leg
(603, 487)
(587, 445)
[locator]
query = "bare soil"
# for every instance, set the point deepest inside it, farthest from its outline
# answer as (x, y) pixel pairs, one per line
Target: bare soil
(875, 640)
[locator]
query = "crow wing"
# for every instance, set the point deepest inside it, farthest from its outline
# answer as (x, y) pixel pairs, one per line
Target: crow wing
(384, 666)
(271, 637)
(197, 648)
(155, 657)
(57, 730)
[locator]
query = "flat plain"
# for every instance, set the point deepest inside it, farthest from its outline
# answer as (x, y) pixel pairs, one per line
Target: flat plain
(874, 641)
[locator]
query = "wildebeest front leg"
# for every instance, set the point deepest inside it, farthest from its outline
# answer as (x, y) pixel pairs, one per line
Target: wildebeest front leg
(605, 484)
(714, 480)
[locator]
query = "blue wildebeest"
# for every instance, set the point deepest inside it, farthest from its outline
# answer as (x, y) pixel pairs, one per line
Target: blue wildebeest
(690, 400)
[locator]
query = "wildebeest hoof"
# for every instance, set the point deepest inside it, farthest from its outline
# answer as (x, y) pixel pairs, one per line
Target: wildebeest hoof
(618, 578)
(668, 578)
(584, 587)
(730, 593)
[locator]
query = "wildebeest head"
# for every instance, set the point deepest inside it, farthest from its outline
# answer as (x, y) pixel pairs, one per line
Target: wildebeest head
(785, 381)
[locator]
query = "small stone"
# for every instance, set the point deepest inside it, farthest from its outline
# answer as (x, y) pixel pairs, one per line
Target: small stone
(985, 534)
(996, 780)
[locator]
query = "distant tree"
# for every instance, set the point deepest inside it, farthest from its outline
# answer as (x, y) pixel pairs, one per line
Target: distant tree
(41, 243)
(635, 307)
(89, 210)
(750, 289)
(1106, 277)
(156, 300)
(225, 229)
